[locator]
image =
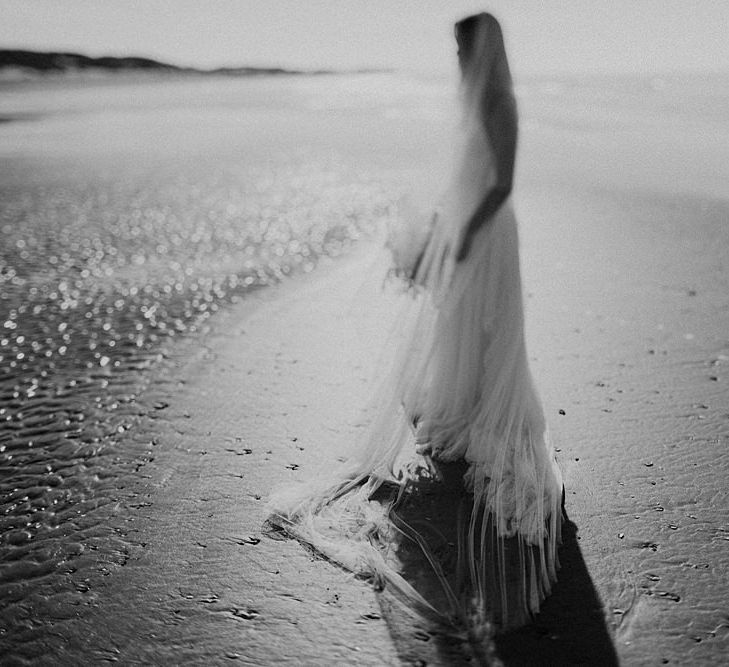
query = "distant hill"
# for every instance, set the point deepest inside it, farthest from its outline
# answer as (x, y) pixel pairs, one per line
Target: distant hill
(54, 62)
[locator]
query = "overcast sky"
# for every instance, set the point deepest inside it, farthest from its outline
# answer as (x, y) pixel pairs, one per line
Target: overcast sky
(543, 36)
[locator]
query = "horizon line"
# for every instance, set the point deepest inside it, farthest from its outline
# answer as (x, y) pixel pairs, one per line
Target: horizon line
(288, 68)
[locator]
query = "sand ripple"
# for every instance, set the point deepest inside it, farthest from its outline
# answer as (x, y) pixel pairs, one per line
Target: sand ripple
(100, 272)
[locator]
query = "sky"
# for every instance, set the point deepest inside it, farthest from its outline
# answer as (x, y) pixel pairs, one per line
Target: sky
(543, 36)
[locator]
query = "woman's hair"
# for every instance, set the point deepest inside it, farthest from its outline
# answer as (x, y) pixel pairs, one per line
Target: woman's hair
(484, 66)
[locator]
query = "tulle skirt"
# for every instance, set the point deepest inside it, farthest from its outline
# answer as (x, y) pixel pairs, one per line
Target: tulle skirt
(457, 395)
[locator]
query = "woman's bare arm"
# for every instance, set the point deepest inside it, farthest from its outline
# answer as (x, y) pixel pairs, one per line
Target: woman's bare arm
(500, 123)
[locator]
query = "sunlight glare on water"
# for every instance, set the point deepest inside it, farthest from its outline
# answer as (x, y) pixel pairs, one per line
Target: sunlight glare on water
(132, 212)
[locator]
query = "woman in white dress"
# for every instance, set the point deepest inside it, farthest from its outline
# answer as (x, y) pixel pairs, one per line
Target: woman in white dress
(459, 389)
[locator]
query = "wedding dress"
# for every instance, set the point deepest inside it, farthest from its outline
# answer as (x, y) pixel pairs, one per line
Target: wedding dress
(459, 389)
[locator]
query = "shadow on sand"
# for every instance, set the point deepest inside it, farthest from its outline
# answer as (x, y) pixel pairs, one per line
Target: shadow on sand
(569, 630)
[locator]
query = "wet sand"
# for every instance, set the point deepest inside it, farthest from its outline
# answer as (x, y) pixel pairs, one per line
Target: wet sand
(623, 227)
(123, 232)
(631, 354)
(270, 395)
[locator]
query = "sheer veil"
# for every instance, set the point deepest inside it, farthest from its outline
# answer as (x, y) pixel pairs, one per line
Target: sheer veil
(486, 72)
(472, 404)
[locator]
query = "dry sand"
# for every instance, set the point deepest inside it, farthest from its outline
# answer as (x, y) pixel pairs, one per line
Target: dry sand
(628, 314)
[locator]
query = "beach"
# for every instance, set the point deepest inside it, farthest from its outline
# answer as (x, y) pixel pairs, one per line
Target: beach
(134, 526)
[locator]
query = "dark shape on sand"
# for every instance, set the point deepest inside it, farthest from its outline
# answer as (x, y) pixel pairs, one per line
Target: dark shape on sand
(570, 628)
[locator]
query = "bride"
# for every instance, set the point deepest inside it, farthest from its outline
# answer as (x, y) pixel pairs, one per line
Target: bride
(458, 395)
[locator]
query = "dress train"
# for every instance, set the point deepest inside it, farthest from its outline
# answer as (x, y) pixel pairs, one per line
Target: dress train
(456, 427)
